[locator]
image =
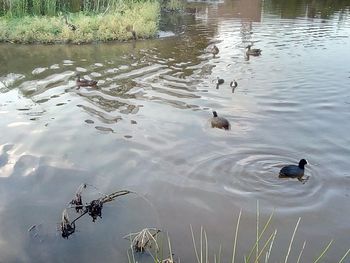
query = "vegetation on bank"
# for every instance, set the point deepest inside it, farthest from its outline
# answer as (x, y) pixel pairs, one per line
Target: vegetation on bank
(54, 21)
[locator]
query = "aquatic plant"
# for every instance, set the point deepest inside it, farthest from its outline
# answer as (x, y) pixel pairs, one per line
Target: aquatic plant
(93, 208)
(148, 237)
(144, 240)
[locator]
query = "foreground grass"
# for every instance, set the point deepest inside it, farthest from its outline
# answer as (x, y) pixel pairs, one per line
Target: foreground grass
(258, 252)
(140, 17)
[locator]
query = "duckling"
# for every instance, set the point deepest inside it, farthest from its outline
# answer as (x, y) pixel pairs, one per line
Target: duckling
(219, 82)
(233, 85)
(253, 52)
(214, 50)
(71, 26)
(85, 82)
(219, 122)
(130, 28)
(294, 171)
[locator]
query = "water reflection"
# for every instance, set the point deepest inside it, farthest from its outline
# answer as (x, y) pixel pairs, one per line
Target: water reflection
(145, 128)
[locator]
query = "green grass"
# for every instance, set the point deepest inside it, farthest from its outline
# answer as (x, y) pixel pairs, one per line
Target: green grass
(173, 5)
(142, 17)
(21, 8)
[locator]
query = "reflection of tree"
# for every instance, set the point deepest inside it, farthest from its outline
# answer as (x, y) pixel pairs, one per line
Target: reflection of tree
(246, 31)
(312, 8)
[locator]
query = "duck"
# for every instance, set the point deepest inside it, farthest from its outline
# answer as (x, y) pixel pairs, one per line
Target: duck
(253, 51)
(233, 84)
(130, 28)
(214, 50)
(219, 81)
(294, 171)
(219, 122)
(85, 82)
(71, 26)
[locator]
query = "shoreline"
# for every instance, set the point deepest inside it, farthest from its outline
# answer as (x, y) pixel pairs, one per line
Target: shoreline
(138, 21)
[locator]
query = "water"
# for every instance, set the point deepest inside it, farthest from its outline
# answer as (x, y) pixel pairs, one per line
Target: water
(145, 128)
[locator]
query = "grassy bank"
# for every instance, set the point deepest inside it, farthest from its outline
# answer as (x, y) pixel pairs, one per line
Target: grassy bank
(103, 22)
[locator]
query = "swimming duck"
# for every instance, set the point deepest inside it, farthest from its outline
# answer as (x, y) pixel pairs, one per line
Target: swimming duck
(214, 50)
(253, 52)
(219, 82)
(219, 122)
(233, 84)
(85, 82)
(294, 171)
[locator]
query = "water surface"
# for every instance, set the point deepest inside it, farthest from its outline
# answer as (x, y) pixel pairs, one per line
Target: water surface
(145, 128)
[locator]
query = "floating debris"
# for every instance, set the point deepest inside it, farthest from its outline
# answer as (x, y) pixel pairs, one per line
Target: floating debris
(67, 228)
(93, 209)
(77, 201)
(144, 240)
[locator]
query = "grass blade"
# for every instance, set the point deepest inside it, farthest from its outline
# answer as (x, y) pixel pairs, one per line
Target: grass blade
(170, 250)
(261, 234)
(301, 252)
(270, 248)
(262, 250)
(235, 240)
(347, 252)
(206, 247)
(324, 251)
(257, 230)
(291, 241)
(194, 244)
(201, 242)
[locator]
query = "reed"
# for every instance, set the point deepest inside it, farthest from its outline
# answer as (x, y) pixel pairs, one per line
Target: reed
(142, 17)
(21, 8)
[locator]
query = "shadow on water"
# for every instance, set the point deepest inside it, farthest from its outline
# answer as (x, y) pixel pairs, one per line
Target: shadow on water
(145, 128)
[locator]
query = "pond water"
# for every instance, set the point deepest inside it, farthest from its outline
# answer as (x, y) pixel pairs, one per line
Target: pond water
(145, 128)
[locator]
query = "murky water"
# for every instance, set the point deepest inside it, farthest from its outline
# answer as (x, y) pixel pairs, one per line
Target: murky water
(145, 128)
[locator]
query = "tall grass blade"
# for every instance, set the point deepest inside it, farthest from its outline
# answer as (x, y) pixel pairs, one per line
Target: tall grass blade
(347, 252)
(206, 247)
(170, 250)
(268, 253)
(219, 256)
(291, 241)
(235, 240)
(257, 230)
(262, 250)
(260, 236)
(324, 251)
(301, 252)
(194, 245)
(201, 243)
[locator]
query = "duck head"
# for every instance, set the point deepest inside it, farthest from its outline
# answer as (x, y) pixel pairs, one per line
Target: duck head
(215, 113)
(302, 163)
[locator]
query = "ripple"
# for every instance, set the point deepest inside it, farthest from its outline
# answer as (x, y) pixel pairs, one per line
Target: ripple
(253, 174)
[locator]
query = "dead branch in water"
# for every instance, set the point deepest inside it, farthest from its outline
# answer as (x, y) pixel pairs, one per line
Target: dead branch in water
(94, 208)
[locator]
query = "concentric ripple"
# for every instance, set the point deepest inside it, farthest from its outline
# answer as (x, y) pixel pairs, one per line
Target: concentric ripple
(253, 174)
